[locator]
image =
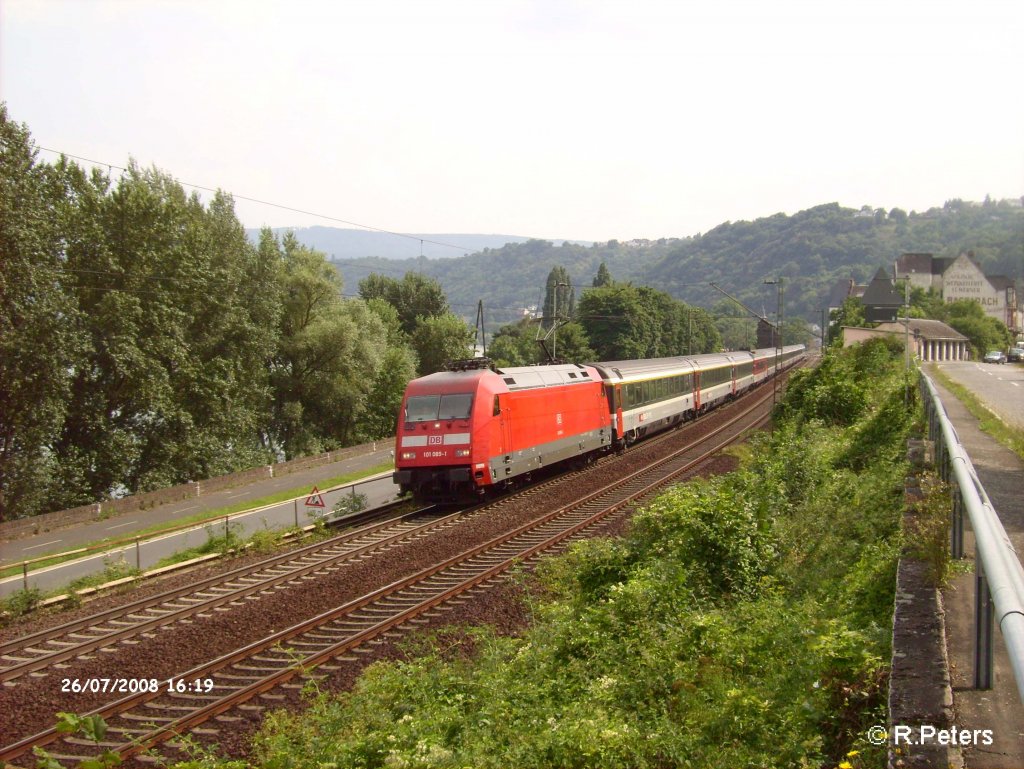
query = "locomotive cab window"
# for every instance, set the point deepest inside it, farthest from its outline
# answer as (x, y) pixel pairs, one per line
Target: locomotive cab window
(422, 408)
(455, 406)
(429, 408)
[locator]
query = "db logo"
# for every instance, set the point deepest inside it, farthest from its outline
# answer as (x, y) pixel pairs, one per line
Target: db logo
(434, 440)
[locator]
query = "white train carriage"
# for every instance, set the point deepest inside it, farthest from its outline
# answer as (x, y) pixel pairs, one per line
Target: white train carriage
(649, 395)
(646, 396)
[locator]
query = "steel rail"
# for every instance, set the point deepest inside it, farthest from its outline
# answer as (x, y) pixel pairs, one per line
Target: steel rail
(318, 550)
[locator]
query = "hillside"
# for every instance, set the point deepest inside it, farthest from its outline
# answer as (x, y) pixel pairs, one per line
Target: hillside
(811, 249)
(338, 243)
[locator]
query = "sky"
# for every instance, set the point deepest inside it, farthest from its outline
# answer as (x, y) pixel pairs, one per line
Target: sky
(556, 119)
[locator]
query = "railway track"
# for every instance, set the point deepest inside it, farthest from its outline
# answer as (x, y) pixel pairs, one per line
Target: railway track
(53, 646)
(334, 638)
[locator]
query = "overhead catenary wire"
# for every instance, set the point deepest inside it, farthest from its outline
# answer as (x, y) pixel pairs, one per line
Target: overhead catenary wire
(234, 196)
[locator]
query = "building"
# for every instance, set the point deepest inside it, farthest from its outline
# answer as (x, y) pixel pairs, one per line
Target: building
(962, 278)
(930, 340)
(881, 300)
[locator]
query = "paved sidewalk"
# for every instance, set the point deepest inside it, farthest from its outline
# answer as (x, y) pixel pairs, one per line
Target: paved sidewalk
(1002, 474)
(127, 523)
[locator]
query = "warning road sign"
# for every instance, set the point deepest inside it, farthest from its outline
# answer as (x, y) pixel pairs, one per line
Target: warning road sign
(315, 499)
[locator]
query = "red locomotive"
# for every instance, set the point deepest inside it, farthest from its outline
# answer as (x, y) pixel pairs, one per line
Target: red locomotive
(464, 432)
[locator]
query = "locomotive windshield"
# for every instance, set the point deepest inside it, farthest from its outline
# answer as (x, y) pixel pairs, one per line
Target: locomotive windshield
(426, 408)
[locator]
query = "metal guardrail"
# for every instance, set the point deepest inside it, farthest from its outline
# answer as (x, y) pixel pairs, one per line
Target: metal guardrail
(213, 525)
(999, 577)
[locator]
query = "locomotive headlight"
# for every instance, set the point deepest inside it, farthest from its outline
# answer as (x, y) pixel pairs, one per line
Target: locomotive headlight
(408, 455)
(462, 452)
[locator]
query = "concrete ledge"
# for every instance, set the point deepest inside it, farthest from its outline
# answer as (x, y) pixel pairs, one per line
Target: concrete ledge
(920, 690)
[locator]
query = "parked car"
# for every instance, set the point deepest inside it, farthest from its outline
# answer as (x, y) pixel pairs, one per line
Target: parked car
(1016, 355)
(995, 356)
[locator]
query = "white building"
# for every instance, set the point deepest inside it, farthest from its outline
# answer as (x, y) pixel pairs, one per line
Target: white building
(962, 278)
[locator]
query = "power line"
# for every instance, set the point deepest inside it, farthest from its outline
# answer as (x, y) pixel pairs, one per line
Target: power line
(276, 205)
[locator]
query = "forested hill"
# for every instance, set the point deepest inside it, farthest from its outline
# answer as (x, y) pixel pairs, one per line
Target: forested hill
(811, 249)
(338, 243)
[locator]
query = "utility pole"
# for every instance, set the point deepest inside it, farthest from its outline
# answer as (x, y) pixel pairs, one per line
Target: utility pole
(554, 325)
(480, 331)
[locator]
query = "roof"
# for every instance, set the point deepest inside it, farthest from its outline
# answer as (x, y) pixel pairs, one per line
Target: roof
(910, 263)
(841, 291)
(1000, 282)
(880, 292)
(527, 377)
(928, 329)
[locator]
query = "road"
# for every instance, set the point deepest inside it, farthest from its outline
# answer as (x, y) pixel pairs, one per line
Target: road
(378, 490)
(999, 387)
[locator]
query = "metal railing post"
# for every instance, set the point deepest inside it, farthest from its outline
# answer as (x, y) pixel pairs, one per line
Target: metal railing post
(983, 620)
(956, 529)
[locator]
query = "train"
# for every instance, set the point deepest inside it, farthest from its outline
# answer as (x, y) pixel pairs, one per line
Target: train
(477, 429)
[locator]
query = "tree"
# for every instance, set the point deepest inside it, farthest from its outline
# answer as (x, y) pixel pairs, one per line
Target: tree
(413, 297)
(39, 342)
(573, 345)
(559, 297)
(385, 396)
(330, 355)
(439, 339)
(627, 322)
(851, 313)
(603, 277)
(515, 344)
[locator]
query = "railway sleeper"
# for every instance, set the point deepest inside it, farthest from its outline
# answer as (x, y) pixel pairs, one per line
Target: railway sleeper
(261, 669)
(330, 637)
(236, 677)
(146, 719)
(168, 708)
(219, 688)
(305, 644)
(18, 660)
(84, 742)
(76, 759)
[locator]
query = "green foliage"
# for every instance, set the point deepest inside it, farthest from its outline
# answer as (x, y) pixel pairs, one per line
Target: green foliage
(851, 313)
(742, 622)
(928, 530)
(559, 297)
(21, 602)
(603, 277)
(349, 504)
(145, 342)
(93, 728)
(624, 322)
(439, 339)
(39, 338)
(414, 297)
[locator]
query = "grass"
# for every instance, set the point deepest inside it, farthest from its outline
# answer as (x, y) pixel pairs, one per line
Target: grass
(202, 517)
(1010, 437)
